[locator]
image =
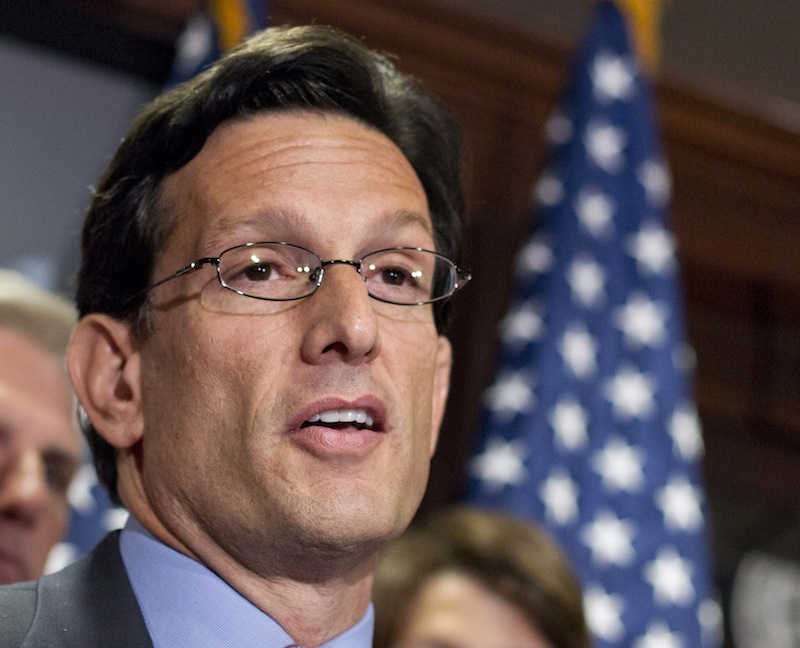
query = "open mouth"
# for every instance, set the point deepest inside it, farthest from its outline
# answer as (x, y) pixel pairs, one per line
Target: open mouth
(340, 419)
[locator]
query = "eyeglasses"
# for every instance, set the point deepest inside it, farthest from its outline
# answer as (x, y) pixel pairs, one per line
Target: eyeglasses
(281, 272)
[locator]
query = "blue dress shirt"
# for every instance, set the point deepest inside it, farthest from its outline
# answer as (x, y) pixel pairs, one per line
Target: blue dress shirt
(186, 605)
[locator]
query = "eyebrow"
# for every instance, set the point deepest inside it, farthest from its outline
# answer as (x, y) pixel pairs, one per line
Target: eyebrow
(283, 220)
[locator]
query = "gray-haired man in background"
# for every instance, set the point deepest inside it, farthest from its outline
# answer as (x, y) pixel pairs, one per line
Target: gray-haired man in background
(40, 446)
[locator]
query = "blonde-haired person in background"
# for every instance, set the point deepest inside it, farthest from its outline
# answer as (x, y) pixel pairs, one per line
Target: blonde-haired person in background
(40, 447)
(475, 579)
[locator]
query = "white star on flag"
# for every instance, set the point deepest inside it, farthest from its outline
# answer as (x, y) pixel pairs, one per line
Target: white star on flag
(536, 257)
(61, 555)
(501, 464)
(115, 518)
(511, 394)
(549, 190)
(620, 466)
(570, 420)
(679, 501)
(671, 578)
(595, 211)
(709, 614)
(579, 351)
(642, 321)
(560, 496)
(609, 539)
(654, 250)
(612, 76)
(684, 358)
(631, 394)
(587, 281)
(523, 324)
(558, 129)
(604, 613)
(604, 143)
(655, 178)
(684, 427)
(79, 493)
(659, 636)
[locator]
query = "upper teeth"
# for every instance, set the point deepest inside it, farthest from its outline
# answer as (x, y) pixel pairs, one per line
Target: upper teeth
(343, 416)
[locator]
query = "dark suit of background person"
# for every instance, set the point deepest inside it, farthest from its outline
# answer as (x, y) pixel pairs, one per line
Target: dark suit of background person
(93, 598)
(267, 430)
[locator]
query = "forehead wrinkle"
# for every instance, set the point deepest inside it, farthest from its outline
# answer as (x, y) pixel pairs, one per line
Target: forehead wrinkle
(328, 149)
(257, 228)
(263, 156)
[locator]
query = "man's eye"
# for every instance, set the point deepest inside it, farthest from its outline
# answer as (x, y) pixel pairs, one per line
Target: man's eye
(59, 472)
(394, 276)
(259, 272)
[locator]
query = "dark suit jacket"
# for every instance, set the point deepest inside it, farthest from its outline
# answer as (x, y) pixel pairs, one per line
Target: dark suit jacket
(90, 604)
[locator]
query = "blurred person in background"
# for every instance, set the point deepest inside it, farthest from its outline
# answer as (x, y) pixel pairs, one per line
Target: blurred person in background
(474, 579)
(40, 447)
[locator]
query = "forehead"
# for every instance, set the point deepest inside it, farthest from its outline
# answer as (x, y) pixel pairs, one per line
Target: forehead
(34, 395)
(314, 171)
(458, 610)
(30, 369)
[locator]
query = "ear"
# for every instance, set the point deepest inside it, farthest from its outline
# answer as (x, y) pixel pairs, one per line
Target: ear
(104, 367)
(441, 387)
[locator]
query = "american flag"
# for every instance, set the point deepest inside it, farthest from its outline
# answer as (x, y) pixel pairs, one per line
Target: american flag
(589, 427)
(221, 25)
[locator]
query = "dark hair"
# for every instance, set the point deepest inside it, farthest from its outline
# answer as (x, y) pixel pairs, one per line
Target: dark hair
(516, 560)
(313, 68)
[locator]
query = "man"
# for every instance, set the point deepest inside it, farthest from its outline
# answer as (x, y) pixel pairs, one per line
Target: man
(39, 441)
(263, 286)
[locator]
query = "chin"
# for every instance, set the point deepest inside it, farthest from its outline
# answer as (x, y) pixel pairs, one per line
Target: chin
(358, 529)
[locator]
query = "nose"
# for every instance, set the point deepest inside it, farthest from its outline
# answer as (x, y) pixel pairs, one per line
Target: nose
(23, 486)
(342, 323)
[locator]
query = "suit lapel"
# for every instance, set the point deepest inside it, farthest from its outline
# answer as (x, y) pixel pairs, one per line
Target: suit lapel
(89, 604)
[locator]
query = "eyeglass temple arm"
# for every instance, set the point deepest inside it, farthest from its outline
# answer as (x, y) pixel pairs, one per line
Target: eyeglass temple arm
(194, 265)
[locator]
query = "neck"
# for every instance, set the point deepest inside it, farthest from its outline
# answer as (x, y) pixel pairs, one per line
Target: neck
(314, 595)
(314, 600)
(310, 614)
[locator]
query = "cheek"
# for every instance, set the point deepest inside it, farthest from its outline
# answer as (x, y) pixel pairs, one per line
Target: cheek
(189, 362)
(416, 363)
(182, 398)
(54, 522)
(413, 367)
(207, 383)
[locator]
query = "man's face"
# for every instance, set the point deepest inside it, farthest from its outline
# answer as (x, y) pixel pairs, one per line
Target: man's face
(232, 456)
(39, 452)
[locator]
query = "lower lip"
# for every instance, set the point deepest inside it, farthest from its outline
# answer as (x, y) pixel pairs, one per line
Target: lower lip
(334, 443)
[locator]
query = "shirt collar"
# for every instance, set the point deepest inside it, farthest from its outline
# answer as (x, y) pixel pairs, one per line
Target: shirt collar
(185, 604)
